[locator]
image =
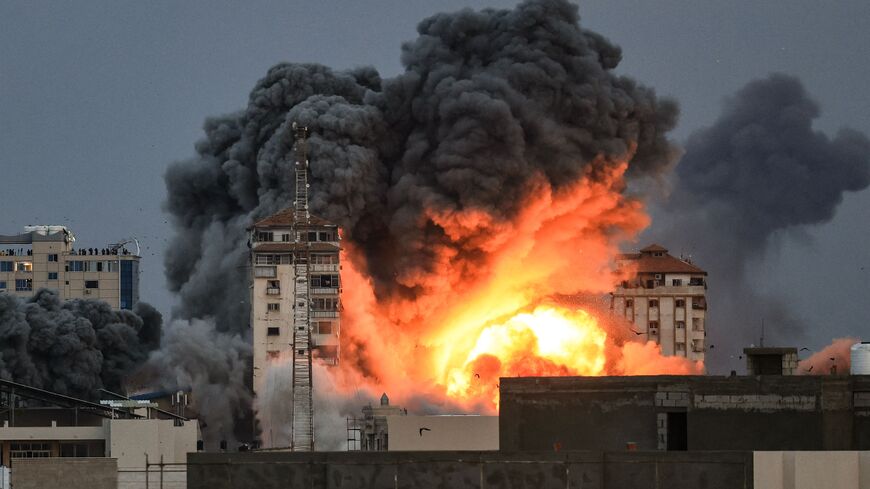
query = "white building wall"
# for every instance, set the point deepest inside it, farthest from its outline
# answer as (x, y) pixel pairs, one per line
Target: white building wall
(811, 470)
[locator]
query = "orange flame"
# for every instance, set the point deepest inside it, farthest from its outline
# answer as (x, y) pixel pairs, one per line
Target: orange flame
(494, 310)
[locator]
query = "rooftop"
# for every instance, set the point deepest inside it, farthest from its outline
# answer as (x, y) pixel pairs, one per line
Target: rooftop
(286, 218)
(655, 259)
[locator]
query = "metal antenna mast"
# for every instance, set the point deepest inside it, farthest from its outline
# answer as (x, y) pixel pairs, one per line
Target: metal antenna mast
(302, 429)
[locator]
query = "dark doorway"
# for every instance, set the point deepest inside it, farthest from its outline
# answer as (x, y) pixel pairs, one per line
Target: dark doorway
(767, 364)
(678, 433)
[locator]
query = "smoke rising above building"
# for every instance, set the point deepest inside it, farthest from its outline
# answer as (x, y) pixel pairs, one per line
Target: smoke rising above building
(759, 169)
(74, 347)
(426, 172)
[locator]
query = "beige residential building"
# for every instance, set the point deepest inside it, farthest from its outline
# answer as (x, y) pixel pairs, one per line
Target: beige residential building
(666, 301)
(45, 257)
(279, 248)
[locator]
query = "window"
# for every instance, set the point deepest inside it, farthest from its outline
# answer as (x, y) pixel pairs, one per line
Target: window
(300, 352)
(285, 238)
(273, 307)
(677, 282)
(23, 284)
(697, 324)
(30, 450)
(7, 266)
(92, 284)
(112, 266)
(263, 259)
(265, 236)
(324, 304)
(324, 327)
(273, 331)
(99, 266)
(699, 303)
(52, 257)
(696, 281)
(265, 272)
(25, 266)
(73, 450)
(330, 281)
(680, 346)
(324, 259)
(2, 284)
(680, 303)
(653, 303)
(681, 325)
(75, 266)
(52, 275)
(629, 302)
(326, 236)
(653, 327)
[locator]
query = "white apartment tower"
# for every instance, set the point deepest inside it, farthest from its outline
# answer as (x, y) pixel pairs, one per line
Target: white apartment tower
(666, 301)
(295, 305)
(46, 257)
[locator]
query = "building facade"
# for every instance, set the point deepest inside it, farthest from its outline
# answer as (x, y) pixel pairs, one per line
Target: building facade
(665, 300)
(46, 257)
(277, 246)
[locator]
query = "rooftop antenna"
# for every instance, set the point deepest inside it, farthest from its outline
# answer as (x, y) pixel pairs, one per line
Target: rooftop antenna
(762, 333)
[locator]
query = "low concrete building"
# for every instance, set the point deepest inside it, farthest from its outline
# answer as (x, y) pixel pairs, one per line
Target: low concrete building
(686, 413)
(771, 361)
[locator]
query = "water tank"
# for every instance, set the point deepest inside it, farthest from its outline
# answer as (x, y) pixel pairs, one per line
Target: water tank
(860, 353)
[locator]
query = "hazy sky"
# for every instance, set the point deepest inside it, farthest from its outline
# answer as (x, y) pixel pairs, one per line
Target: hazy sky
(97, 98)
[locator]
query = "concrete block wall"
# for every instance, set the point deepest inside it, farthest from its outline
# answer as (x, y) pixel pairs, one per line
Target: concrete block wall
(756, 402)
(66, 473)
(471, 470)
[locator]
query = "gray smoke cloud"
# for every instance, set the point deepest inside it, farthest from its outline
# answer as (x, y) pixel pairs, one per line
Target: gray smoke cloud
(759, 169)
(488, 100)
(74, 347)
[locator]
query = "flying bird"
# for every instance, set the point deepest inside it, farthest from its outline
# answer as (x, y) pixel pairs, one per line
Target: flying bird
(811, 368)
(424, 429)
(636, 332)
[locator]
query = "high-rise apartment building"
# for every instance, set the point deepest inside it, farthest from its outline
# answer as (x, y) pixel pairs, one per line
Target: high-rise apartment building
(280, 251)
(665, 299)
(45, 257)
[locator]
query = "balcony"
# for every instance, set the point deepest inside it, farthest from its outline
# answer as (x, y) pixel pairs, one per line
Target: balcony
(324, 314)
(273, 291)
(324, 291)
(661, 290)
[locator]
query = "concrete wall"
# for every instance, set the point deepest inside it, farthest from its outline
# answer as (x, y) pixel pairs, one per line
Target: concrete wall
(66, 473)
(442, 433)
(806, 470)
(722, 413)
(471, 470)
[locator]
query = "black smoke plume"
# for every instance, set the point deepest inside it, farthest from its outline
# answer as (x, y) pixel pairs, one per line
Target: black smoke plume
(74, 347)
(759, 169)
(488, 100)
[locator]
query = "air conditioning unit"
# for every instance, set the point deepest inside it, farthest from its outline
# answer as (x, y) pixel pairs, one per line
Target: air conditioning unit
(658, 276)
